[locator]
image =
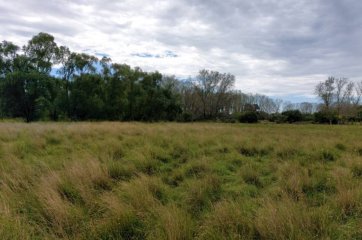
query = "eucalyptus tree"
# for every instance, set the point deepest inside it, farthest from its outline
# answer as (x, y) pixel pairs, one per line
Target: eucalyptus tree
(8, 57)
(42, 51)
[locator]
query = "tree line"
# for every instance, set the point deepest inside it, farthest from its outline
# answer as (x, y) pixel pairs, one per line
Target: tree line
(44, 81)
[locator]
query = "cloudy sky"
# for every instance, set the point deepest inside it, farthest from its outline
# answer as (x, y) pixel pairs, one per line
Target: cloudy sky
(279, 48)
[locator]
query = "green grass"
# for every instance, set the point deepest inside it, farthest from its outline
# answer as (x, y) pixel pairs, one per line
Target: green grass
(180, 181)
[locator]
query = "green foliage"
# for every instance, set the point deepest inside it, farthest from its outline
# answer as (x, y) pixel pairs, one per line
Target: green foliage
(278, 118)
(85, 88)
(30, 95)
(41, 50)
(292, 116)
(186, 117)
(248, 117)
(326, 117)
(87, 97)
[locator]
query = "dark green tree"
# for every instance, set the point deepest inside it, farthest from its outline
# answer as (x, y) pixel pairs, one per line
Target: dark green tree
(30, 95)
(8, 56)
(87, 98)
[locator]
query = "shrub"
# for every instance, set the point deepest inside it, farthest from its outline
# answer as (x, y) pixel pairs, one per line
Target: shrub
(186, 117)
(278, 118)
(248, 117)
(293, 116)
(326, 117)
(263, 115)
(307, 117)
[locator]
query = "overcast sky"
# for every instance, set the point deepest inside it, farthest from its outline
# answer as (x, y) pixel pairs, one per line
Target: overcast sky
(275, 47)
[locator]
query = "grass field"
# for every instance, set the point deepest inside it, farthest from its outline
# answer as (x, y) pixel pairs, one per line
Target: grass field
(180, 181)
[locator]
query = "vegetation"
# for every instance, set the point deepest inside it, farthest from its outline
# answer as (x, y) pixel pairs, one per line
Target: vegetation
(180, 181)
(44, 81)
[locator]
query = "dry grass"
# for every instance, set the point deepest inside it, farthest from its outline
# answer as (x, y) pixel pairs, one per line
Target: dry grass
(180, 181)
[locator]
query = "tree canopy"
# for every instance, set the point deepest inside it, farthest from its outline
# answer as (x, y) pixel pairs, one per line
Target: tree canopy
(44, 81)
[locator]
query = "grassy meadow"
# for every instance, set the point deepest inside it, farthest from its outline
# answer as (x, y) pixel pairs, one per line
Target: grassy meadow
(180, 181)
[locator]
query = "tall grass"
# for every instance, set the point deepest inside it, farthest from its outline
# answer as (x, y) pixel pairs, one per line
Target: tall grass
(180, 181)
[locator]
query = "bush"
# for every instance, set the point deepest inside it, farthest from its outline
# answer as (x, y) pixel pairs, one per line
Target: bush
(186, 117)
(307, 117)
(326, 117)
(277, 118)
(293, 116)
(248, 117)
(263, 115)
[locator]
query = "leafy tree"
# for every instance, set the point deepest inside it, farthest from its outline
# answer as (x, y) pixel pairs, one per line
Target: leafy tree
(115, 87)
(87, 99)
(84, 63)
(67, 66)
(8, 55)
(41, 50)
(27, 95)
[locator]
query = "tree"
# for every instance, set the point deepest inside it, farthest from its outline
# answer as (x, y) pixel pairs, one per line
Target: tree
(84, 63)
(340, 98)
(306, 107)
(289, 106)
(8, 55)
(325, 90)
(41, 50)
(27, 95)
(190, 101)
(87, 98)
(213, 90)
(67, 66)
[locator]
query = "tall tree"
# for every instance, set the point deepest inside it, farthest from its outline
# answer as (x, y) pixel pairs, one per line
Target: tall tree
(325, 90)
(87, 99)
(41, 50)
(28, 95)
(212, 88)
(8, 55)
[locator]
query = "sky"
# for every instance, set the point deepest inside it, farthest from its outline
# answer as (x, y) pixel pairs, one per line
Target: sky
(280, 48)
